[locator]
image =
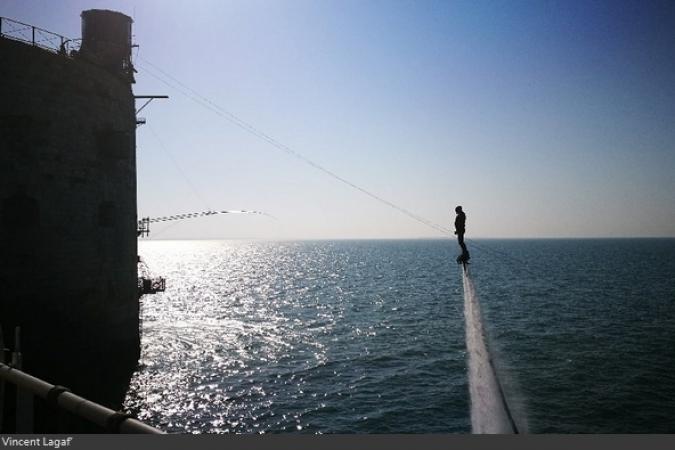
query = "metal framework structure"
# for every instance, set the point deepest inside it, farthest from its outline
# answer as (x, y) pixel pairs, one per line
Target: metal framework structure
(147, 282)
(37, 37)
(149, 98)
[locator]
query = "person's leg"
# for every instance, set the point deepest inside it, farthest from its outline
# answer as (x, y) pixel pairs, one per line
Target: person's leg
(460, 239)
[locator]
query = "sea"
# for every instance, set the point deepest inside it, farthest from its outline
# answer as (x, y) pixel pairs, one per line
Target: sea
(370, 336)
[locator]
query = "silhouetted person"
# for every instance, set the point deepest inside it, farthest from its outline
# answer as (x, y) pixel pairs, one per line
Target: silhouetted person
(460, 228)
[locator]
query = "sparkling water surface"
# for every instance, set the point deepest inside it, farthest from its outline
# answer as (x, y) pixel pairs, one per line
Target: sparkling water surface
(368, 336)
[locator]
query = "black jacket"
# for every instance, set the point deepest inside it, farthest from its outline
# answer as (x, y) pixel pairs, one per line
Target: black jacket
(460, 222)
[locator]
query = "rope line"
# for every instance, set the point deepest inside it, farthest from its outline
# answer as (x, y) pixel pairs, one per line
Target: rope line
(519, 263)
(208, 104)
(232, 118)
(195, 191)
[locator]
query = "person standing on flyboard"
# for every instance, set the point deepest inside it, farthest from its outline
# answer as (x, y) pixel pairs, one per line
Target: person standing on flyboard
(460, 229)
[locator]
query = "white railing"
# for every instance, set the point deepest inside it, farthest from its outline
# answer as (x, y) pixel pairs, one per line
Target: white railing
(28, 388)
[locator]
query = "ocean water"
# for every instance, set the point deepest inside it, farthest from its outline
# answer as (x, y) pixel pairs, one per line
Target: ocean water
(369, 336)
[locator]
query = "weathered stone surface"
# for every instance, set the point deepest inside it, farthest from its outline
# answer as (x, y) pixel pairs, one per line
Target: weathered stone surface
(67, 217)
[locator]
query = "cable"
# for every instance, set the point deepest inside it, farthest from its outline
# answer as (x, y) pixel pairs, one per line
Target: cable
(175, 163)
(213, 107)
(205, 102)
(520, 264)
(167, 228)
(233, 119)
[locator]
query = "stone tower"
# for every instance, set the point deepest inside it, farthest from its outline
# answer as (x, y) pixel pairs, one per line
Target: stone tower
(68, 241)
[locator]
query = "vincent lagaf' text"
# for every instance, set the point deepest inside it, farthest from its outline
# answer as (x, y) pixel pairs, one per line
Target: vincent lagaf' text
(8, 441)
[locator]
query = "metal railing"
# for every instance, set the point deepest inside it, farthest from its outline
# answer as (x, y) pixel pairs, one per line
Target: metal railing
(28, 388)
(38, 37)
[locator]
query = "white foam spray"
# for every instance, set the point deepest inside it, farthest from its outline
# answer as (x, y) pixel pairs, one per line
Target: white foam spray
(489, 410)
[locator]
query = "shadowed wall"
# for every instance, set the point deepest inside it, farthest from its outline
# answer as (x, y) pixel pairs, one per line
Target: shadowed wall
(68, 220)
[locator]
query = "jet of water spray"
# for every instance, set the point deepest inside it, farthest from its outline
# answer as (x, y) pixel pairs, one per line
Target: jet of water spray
(489, 410)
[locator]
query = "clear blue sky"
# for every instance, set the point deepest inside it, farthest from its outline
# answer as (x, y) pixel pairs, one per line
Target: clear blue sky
(541, 118)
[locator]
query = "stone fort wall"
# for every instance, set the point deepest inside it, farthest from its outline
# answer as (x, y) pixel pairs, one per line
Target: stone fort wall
(68, 240)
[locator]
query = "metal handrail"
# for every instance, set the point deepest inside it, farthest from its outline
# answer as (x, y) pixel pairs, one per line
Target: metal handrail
(81, 407)
(28, 386)
(36, 36)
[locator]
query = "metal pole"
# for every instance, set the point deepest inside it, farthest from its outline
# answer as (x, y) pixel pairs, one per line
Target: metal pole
(24, 399)
(75, 404)
(2, 361)
(17, 358)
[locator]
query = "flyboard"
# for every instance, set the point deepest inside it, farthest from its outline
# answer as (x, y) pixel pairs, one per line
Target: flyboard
(463, 259)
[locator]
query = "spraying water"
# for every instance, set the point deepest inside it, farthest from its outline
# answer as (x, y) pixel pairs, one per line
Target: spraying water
(489, 410)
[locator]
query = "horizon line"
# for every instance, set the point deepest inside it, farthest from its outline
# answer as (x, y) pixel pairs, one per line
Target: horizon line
(514, 238)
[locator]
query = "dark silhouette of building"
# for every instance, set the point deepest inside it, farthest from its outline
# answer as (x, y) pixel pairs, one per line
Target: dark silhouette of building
(68, 246)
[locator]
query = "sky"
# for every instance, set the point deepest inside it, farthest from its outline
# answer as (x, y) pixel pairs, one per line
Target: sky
(541, 118)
